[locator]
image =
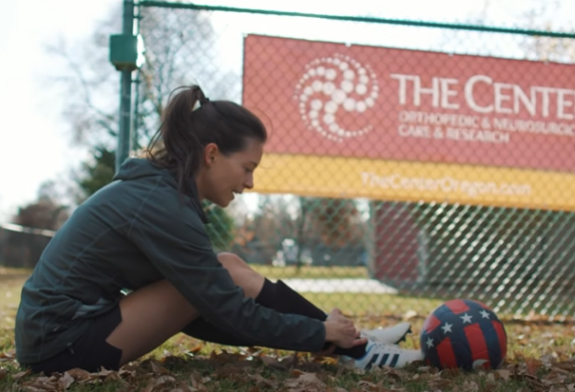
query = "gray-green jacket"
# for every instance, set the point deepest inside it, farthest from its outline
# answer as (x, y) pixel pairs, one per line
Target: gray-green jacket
(133, 232)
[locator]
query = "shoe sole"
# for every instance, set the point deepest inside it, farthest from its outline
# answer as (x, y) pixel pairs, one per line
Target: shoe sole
(403, 338)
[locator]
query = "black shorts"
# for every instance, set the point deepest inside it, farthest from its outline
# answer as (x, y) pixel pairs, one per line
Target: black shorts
(90, 352)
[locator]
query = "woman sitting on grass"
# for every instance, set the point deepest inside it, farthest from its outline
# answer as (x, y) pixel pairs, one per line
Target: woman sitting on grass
(145, 233)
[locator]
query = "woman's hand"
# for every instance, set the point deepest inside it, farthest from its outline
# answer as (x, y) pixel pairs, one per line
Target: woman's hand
(341, 331)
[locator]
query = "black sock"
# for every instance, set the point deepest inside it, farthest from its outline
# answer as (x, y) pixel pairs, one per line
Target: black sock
(354, 352)
(284, 299)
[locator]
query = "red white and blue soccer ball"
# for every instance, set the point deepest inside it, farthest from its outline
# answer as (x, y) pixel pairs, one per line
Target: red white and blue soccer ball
(465, 334)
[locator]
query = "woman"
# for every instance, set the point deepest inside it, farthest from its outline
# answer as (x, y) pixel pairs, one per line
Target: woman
(144, 233)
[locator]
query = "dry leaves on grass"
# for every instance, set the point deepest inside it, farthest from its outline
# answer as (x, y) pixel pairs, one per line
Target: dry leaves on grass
(154, 377)
(304, 382)
(553, 369)
(8, 356)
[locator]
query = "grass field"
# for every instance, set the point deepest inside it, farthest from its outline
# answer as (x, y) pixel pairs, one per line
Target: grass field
(539, 355)
(308, 272)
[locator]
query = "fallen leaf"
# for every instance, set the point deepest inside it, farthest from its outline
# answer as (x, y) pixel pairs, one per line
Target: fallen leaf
(260, 380)
(164, 380)
(556, 376)
(296, 372)
(186, 388)
(197, 348)
(65, 381)
(470, 386)
(273, 362)
(11, 354)
(173, 360)
(503, 374)
(79, 374)
(560, 370)
(369, 386)
(533, 366)
(56, 382)
(113, 376)
(195, 378)
(157, 368)
(532, 380)
(105, 372)
(396, 374)
(225, 357)
(19, 375)
(125, 373)
(34, 389)
(440, 383)
(132, 367)
(229, 369)
(149, 388)
(410, 314)
(326, 360)
(307, 381)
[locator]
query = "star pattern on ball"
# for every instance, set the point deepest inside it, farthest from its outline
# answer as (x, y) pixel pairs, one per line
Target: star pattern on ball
(447, 328)
(466, 318)
(463, 334)
(484, 314)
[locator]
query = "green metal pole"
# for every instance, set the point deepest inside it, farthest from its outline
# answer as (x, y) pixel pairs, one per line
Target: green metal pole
(124, 133)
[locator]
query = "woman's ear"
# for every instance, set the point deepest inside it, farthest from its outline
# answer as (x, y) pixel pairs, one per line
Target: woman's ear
(211, 152)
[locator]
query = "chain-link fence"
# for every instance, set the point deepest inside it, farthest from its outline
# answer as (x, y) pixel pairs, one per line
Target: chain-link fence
(406, 159)
(21, 247)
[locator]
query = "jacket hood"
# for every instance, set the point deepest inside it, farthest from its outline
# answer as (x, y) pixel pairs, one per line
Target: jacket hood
(135, 168)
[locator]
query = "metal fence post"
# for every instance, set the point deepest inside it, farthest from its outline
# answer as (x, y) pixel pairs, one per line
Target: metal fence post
(125, 92)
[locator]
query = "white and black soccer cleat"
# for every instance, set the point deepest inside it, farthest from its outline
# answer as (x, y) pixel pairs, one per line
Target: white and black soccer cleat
(381, 354)
(390, 335)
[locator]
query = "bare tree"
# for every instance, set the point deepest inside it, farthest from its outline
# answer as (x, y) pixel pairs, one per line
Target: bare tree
(180, 49)
(89, 85)
(45, 212)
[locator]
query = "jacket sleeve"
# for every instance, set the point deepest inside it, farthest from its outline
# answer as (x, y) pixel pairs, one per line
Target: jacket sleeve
(172, 236)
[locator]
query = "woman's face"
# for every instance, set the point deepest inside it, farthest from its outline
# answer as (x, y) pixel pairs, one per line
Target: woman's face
(221, 176)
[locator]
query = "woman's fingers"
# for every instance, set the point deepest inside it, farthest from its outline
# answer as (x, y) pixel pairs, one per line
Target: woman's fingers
(359, 342)
(350, 337)
(347, 334)
(335, 313)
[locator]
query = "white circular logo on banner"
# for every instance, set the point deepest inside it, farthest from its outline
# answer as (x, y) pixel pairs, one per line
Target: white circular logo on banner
(333, 87)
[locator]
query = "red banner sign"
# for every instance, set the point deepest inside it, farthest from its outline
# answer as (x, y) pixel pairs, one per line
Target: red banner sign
(329, 99)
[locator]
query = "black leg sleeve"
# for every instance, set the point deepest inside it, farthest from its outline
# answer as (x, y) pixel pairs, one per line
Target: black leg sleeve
(277, 296)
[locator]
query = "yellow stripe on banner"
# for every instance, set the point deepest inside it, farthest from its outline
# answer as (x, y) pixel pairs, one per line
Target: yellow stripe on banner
(413, 181)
